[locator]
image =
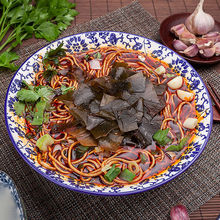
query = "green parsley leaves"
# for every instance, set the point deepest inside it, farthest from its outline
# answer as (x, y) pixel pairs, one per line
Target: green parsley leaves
(21, 20)
(34, 100)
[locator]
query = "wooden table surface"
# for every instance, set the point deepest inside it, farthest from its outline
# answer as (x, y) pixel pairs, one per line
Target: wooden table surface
(160, 9)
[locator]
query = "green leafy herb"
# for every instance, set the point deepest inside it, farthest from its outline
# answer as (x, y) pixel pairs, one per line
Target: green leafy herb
(87, 56)
(143, 158)
(53, 55)
(49, 73)
(27, 86)
(112, 173)
(65, 89)
(127, 175)
(97, 55)
(161, 137)
(19, 108)
(39, 113)
(21, 20)
(46, 93)
(6, 58)
(27, 95)
(180, 146)
(80, 151)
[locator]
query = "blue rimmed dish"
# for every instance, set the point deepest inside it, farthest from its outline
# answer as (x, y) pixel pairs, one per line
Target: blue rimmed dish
(11, 204)
(86, 41)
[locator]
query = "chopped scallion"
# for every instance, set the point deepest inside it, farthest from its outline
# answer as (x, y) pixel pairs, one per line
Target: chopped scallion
(44, 141)
(112, 173)
(127, 175)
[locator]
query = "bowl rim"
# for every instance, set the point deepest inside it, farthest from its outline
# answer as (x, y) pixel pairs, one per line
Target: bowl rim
(84, 190)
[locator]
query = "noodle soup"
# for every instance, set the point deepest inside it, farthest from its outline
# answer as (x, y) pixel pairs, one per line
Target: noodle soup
(108, 116)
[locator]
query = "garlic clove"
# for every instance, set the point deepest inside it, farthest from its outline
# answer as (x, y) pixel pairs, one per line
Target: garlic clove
(160, 70)
(203, 43)
(178, 29)
(95, 64)
(176, 82)
(184, 95)
(191, 51)
(212, 36)
(207, 52)
(217, 49)
(183, 34)
(190, 123)
(179, 45)
(200, 22)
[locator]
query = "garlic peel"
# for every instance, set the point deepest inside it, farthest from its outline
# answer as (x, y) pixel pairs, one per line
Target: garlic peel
(200, 22)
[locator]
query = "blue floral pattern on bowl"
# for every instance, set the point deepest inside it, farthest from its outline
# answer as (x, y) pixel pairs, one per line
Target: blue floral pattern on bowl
(6, 181)
(89, 40)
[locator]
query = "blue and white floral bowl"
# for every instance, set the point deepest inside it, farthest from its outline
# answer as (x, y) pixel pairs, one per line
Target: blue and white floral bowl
(10, 199)
(83, 42)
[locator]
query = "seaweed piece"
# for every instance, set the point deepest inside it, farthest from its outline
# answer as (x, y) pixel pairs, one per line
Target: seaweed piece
(111, 142)
(93, 121)
(82, 135)
(139, 110)
(115, 105)
(103, 129)
(160, 89)
(94, 106)
(106, 99)
(147, 130)
(138, 82)
(127, 120)
(79, 114)
(105, 114)
(83, 95)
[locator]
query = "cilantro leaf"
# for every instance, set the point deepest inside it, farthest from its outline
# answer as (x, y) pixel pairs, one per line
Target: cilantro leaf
(180, 146)
(26, 95)
(6, 58)
(39, 113)
(47, 30)
(45, 93)
(53, 55)
(65, 89)
(161, 137)
(19, 108)
(97, 55)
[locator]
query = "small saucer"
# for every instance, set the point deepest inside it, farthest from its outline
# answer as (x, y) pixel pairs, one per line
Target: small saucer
(167, 37)
(11, 204)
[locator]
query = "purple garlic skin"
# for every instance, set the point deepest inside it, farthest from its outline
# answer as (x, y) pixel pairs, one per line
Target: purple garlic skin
(203, 43)
(179, 45)
(207, 52)
(217, 49)
(191, 51)
(179, 212)
(212, 36)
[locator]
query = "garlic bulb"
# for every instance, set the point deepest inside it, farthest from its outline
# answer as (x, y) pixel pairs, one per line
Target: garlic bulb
(200, 22)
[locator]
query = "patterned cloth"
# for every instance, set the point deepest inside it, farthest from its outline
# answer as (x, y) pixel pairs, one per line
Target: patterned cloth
(45, 200)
